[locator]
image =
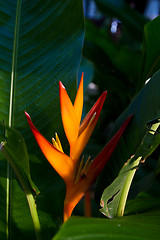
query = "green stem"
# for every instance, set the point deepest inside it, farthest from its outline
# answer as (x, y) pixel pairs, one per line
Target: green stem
(31, 203)
(8, 200)
(34, 214)
(125, 190)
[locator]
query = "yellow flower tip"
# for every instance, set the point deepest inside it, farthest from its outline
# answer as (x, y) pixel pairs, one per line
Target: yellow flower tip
(57, 144)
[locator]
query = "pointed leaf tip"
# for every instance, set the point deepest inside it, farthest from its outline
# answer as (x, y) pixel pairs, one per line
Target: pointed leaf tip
(30, 122)
(28, 117)
(61, 85)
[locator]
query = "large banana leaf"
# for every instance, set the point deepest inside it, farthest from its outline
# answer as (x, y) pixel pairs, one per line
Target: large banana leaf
(40, 44)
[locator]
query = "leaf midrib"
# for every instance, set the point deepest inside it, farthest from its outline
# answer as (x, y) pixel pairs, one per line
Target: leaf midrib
(14, 62)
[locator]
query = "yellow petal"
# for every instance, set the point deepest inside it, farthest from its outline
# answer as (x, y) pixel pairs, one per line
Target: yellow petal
(56, 143)
(59, 161)
(78, 104)
(69, 118)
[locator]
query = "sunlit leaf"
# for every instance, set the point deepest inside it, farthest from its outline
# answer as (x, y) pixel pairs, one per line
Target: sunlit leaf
(114, 197)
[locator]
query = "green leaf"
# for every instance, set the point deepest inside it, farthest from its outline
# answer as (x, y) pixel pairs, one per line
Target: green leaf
(137, 132)
(123, 57)
(114, 197)
(151, 48)
(105, 78)
(40, 49)
(143, 225)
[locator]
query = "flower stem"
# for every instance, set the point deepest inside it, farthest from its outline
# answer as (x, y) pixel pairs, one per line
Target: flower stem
(33, 211)
(87, 204)
(125, 190)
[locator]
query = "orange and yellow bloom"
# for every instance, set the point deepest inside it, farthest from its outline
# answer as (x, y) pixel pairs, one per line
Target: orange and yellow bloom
(78, 176)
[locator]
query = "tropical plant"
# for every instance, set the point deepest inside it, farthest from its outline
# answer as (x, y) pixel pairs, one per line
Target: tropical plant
(41, 44)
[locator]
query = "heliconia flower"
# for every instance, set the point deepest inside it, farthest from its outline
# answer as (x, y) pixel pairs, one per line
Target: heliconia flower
(77, 175)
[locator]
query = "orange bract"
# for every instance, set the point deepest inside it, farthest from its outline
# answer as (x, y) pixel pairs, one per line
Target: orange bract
(76, 133)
